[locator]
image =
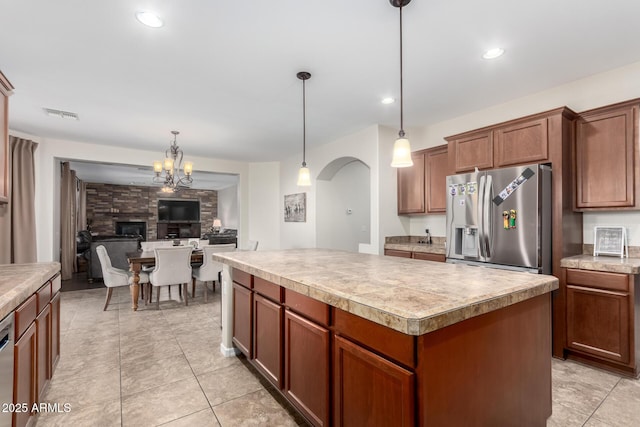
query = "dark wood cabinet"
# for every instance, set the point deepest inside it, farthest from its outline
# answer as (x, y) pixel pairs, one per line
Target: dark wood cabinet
(24, 381)
(416, 255)
(267, 338)
(369, 390)
(394, 252)
(606, 157)
(178, 230)
(600, 316)
(43, 357)
(471, 150)
(243, 319)
(422, 187)
(522, 143)
(411, 186)
(437, 169)
(5, 91)
(55, 331)
(306, 372)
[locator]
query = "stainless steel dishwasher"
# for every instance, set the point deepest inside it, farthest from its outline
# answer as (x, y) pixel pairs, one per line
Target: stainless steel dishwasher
(6, 369)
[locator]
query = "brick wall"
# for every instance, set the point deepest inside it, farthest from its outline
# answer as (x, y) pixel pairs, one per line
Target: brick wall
(137, 203)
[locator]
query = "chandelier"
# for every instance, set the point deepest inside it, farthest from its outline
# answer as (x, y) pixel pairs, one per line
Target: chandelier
(168, 172)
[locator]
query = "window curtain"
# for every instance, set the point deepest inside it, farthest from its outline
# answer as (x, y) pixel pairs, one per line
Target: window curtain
(18, 217)
(68, 215)
(82, 206)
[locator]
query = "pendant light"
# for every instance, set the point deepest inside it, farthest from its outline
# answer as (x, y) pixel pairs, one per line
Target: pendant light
(304, 176)
(401, 148)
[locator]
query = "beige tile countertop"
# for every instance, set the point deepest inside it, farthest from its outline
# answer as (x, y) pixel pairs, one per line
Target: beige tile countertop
(411, 296)
(602, 263)
(19, 281)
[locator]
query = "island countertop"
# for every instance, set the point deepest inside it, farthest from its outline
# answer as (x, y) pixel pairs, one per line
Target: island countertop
(19, 281)
(411, 296)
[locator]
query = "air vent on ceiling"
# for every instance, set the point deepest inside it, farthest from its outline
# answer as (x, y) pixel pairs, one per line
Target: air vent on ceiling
(61, 114)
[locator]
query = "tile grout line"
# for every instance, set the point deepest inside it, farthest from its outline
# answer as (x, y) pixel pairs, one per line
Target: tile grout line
(602, 401)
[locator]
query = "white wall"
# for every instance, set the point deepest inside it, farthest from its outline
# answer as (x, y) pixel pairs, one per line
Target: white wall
(51, 151)
(617, 85)
(344, 208)
(265, 210)
(362, 145)
(227, 208)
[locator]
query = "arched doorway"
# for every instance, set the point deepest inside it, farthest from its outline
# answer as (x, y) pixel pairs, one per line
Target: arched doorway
(343, 205)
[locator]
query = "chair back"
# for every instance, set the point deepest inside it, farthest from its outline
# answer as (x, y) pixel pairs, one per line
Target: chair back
(210, 268)
(173, 265)
(112, 276)
(253, 245)
(149, 246)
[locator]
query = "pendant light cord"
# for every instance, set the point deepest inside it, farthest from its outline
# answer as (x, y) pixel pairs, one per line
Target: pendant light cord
(304, 124)
(401, 133)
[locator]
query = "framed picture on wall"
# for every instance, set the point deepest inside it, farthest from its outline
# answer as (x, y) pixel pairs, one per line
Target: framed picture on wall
(295, 207)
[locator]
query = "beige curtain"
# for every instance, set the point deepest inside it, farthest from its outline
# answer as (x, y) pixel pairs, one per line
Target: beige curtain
(18, 217)
(81, 224)
(67, 221)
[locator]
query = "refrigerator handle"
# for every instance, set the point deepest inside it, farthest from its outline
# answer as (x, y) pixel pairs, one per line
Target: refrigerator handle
(487, 216)
(481, 190)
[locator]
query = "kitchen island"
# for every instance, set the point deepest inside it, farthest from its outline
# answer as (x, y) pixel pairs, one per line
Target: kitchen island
(356, 339)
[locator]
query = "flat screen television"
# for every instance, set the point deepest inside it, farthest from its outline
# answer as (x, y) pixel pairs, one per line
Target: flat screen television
(179, 210)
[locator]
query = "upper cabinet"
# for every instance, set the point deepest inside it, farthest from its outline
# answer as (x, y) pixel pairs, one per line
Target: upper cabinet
(606, 157)
(422, 187)
(471, 150)
(525, 142)
(5, 91)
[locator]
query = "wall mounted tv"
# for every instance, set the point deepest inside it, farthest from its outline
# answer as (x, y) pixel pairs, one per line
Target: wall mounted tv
(178, 210)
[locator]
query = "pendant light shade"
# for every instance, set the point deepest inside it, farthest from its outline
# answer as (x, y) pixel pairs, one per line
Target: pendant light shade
(304, 176)
(402, 147)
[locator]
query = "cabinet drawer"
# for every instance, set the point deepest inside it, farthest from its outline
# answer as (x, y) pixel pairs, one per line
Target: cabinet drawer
(56, 284)
(43, 296)
(307, 307)
(390, 343)
(242, 278)
(599, 279)
(25, 315)
(394, 252)
(267, 289)
(429, 257)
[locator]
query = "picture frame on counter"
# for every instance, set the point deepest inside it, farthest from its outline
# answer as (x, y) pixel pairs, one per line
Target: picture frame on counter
(295, 207)
(610, 241)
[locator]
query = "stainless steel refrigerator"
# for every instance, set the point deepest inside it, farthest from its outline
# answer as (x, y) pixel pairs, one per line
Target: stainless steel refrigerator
(501, 217)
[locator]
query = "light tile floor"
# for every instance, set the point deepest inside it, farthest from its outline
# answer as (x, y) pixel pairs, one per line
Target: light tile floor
(151, 368)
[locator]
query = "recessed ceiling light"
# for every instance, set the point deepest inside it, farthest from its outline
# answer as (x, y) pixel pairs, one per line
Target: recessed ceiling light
(149, 19)
(388, 100)
(493, 53)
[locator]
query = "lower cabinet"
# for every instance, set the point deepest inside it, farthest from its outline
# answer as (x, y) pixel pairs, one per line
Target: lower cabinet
(306, 367)
(55, 330)
(426, 256)
(243, 319)
(24, 375)
(369, 389)
(43, 334)
(267, 338)
(600, 316)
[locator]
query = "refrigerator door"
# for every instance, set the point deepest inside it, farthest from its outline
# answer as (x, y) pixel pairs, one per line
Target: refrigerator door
(511, 214)
(463, 216)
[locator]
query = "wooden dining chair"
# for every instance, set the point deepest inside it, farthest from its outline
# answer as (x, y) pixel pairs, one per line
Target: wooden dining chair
(173, 267)
(113, 276)
(210, 269)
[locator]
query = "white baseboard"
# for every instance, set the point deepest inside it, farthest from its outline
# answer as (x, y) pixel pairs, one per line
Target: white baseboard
(228, 352)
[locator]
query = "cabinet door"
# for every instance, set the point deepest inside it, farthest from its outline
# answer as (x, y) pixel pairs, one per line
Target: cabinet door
(598, 322)
(5, 91)
(437, 168)
(472, 151)
(401, 254)
(604, 159)
(411, 186)
(522, 143)
(267, 339)
(306, 370)
(24, 380)
(429, 257)
(242, 319)
(43, 355)
(370, 390)
(55, 331)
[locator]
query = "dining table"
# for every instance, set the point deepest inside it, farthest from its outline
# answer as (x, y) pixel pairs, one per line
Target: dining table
(148, 258)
